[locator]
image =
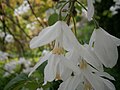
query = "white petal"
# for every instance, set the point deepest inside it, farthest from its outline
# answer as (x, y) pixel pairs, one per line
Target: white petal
(46, 36)
(95, 62)
(70, 84)
(104, 74)
(95, 81)
(92, 39)
(43, 59)
(73, 56)
(115, 39)
(65, 72)
(70, 65)
(90, 9)
(50, 70)
(69, 39)
(105, 49)
(109, 85)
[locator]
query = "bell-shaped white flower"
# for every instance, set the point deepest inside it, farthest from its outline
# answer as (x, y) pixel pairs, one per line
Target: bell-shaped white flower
(56, 60)
(90, 11)
(87, 54)
(64, 39)
(88, 79)
(105, 47)
(60, 32)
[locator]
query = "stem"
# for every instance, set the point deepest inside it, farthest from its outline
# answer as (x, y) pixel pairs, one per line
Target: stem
(35, 14)
(75, 30)
(60, 12)
(82, 5)
(71, 5)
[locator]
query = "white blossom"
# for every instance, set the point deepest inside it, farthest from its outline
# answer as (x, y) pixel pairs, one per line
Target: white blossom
(64, 39)
(105, 47)
(9, 38)
(3, 55)
(22, 9)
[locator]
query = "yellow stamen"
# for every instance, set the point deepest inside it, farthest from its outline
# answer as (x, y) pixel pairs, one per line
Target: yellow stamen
(58, 77)
(87, 86)
(83, 64)
(58, 51)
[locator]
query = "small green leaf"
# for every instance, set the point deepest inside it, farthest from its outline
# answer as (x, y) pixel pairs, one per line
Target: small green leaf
(53, 18)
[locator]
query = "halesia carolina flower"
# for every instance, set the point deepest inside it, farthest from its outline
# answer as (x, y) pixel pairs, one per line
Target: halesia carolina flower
(105, 47)
(88, 79)
(62, 35)
(90, 11)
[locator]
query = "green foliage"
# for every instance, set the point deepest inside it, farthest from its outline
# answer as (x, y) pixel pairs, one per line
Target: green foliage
(17, 82)
(52, 19)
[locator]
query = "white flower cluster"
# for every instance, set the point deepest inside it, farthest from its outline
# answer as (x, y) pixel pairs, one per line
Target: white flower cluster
(3, 55)
(11, 66)
(22, 9)
(8, 37)
(80, 67)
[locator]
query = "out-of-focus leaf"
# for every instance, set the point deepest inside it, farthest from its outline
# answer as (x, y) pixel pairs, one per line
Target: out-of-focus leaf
(17, 81)
(52, 19)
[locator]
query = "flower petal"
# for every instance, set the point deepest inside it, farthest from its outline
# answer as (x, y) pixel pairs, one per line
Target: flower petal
(94, 80)
(69, 39)
(109, 85)
(65, 72)
(70, 84)
(90, 9)
(115, 39)
(95, 61)
(105, 49)
(104, 74)
(50, 70)
(46, 36)
(43, 59)
(70, 64)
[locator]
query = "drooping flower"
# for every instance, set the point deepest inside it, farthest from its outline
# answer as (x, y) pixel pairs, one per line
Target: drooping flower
(105, 47)
(9, 38)
(62, 35)
(88, 79)
(60, 32)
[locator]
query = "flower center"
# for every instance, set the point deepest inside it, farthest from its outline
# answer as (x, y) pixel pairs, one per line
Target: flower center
(58, 77)
(83, 64)
(87, 86)
(58, 51)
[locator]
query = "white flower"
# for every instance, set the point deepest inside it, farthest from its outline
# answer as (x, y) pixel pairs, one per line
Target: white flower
(105, 47)
(3, 55)
(90, 9)
(9, 38)
(64, 39)
(59, 32)
(87, 54)
(88, 79)
(22, 9)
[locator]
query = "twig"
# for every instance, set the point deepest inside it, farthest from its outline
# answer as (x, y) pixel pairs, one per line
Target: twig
(35, 14)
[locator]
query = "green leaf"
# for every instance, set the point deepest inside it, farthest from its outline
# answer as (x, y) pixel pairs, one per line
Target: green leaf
(53, 18)
(17, 82)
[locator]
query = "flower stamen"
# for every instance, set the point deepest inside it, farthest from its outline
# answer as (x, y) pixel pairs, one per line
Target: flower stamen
(83, 64)
(58, 51)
